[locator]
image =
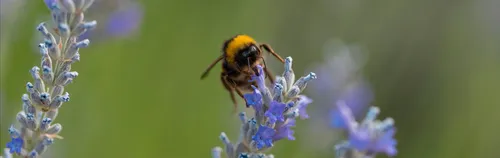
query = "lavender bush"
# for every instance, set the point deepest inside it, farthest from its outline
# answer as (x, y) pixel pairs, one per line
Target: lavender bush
(46, 94)
(276, 109)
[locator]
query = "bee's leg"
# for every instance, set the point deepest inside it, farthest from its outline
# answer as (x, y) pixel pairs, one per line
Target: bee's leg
(270, 50)
(269, 75)
(238, 90)
(233, 98)
(231, 91)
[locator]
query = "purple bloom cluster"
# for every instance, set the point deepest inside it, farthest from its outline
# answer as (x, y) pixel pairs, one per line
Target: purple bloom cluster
(368, 137)
(46, 95)
(276, 110)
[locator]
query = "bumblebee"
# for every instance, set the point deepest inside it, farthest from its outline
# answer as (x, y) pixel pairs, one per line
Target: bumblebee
(240, 56)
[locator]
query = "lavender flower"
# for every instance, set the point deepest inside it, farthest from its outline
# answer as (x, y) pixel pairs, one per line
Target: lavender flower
(275, 108)
(369, 137)
(45, 95)
(122, 18)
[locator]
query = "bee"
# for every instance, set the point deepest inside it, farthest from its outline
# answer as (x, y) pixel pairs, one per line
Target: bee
(240, 56)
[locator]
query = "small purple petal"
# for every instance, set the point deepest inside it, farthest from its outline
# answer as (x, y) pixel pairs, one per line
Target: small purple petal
(360, 139)
(365, 140)
(254, 99)
(285, 131)
(387, 143)
(302, 105)
(263, 137)
(15, 145)
(275, 112)
(346, 116)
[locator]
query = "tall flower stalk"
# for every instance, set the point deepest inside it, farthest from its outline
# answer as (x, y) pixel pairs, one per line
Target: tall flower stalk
(45, 96)
(276, 109)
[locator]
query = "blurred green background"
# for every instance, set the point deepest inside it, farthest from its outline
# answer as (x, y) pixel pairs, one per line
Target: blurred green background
(434, 68)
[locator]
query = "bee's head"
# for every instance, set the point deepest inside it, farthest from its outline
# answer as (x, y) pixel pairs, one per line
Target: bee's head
(239, 48)
(248, 55)
(251, 51)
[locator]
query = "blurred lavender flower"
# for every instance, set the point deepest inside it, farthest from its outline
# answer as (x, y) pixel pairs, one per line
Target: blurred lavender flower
(122, 18)
(46, 95)
(276, 109)
(368, 138)
(341, 79)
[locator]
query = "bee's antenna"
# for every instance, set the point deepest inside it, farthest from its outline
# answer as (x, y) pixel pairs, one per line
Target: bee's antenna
(205, 74)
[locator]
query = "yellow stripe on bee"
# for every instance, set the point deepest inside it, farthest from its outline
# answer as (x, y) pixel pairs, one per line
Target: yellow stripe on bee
(237, 43)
